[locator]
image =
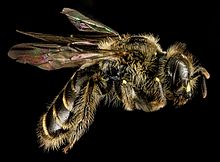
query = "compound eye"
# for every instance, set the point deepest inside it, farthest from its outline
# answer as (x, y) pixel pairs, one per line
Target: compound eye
(179, 72)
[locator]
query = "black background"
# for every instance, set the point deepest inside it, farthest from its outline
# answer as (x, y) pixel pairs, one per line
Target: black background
(186, 133)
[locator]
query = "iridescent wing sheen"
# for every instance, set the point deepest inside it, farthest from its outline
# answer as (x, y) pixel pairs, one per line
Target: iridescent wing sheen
(62, 51)
(54, 56)
(83, 23)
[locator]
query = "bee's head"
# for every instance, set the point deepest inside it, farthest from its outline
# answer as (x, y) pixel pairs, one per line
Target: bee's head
(183, 75)
(179, 77)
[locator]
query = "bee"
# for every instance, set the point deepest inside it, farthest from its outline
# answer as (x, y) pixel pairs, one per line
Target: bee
(130, 69)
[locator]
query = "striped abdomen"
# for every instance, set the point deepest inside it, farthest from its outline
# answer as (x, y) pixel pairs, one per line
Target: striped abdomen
(72, 111)
(54, 125)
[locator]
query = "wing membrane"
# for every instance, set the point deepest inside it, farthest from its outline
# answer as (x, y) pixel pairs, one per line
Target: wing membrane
(62, 51)
(53, 56)
(64, 40)
(83, 23)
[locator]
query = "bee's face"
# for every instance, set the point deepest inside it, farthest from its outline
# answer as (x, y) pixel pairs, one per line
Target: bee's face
(181, 85)
(179, 78)
(182, 93)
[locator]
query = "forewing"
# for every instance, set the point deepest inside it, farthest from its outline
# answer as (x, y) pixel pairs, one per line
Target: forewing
(53, 56)
(62, 39)
(83, 23)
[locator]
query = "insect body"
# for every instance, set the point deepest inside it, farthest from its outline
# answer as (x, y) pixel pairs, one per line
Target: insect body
(132, 69)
